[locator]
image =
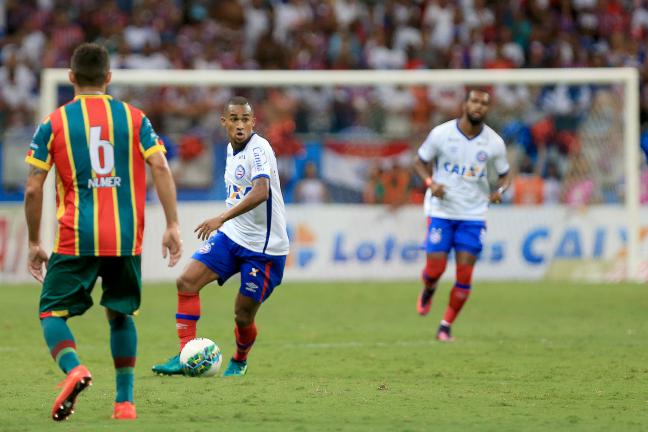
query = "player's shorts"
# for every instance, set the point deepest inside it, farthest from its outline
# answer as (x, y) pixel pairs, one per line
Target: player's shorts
(462, 235)
(260, 273)
(70, 279)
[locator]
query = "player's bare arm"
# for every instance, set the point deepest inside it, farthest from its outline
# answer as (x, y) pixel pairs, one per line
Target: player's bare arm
(33, 211)
(503, 183)
(165, 187)
(424, 171)
(260, 193)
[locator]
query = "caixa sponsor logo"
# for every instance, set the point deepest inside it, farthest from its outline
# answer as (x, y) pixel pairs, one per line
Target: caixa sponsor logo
(543, 244)
(391, 249)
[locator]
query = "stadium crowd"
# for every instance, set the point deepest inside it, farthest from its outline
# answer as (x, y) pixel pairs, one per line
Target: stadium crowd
(545, 128)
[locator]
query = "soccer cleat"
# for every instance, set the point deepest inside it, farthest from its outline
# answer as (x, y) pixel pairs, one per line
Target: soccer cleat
(77, 380)
(235, 368)
(171, 367)
(124, 411)
(443, 334)
(424, 302)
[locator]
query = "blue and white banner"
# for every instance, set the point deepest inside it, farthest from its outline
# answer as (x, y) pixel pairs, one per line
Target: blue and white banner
(360, 242)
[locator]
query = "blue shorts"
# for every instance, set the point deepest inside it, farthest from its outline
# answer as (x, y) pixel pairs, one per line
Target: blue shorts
(462, 235)
(260, 273)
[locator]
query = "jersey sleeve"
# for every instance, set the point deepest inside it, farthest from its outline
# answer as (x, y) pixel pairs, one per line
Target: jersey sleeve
(149, 140)
(429, 149)
(39, 154)
(260, 164)
(500, 160)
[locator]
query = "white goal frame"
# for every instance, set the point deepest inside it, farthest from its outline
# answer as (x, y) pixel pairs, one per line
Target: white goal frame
(628, 77)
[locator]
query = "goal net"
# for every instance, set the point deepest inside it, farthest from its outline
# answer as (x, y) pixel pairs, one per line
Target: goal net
(348, 137)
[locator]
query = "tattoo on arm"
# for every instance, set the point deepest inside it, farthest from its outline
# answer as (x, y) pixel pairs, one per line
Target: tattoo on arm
(35, 171)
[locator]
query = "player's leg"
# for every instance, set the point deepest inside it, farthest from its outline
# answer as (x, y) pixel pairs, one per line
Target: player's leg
(259, 277)
(211, 262)
(123, 347)
(245, 333)
(122, 287)
(468, 245)
(437, 245)
(193, 278)
(66, 292)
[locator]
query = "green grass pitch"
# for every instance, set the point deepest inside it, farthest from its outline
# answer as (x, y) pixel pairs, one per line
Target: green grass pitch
(356, 357)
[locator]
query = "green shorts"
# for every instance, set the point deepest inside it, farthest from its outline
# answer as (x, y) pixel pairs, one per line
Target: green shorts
(70, 279)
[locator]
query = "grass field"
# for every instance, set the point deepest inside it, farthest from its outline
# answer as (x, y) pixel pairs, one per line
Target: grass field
(356, 357)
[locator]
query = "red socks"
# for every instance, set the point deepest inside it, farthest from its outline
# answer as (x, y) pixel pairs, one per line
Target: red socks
(434, 268)
(460, 292)
(187, 316)
(245, 337)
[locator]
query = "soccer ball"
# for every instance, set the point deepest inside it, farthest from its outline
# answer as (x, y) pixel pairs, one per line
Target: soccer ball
(200, 357)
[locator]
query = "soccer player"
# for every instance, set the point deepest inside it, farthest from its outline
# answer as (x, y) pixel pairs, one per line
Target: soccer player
(99, 146)
(452, 161)
(250, 238)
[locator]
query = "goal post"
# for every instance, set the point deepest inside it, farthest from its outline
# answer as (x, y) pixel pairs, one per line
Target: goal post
(626, 77)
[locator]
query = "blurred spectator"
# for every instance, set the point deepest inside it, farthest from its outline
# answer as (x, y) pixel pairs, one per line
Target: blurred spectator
(374, 190)
(147, 58)
(439, 18)
(578, 187)
(311, 189)
(140, 31)
(16, 84)
(528, 185)
(557, 122)
(381, 54)
(396, 183)
(552, 184)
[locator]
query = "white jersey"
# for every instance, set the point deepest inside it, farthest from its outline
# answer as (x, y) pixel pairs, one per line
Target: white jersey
(262, 229)
(460, 164)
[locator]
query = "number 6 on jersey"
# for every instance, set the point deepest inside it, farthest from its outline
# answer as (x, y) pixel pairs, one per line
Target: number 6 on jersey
(97, 143)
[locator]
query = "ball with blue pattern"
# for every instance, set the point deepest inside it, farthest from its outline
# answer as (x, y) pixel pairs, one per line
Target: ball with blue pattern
(200, 357)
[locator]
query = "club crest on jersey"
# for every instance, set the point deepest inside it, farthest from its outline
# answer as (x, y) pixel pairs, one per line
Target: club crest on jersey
(482, 156)
(205, 247)
(435, 235)
(239, 172)
(254, 272)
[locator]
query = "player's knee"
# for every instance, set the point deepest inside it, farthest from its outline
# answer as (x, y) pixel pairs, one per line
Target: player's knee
(243, 320)
(115, 316)
(185, 284)
(464, 273)
(434, 268)
(243, 317)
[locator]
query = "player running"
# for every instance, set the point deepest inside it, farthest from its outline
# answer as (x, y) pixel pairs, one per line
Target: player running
(99, 146)
(250, 238)
(457, 199)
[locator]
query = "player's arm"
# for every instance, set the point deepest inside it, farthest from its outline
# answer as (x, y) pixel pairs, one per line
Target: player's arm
(33, 212)
(424, 170)
(260, 193)
(504, 171)
(166, 190)
(503, 183)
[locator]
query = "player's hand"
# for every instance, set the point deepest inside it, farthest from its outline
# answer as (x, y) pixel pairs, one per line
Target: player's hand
(204, 230)
(35, 259)
(172, 245)
(496, 197)
(438, 190)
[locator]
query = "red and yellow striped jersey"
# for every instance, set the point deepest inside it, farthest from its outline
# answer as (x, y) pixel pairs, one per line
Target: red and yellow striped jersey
(99, 146)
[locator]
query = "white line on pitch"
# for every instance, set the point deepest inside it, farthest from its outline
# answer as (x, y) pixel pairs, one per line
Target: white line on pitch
(352, 344)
